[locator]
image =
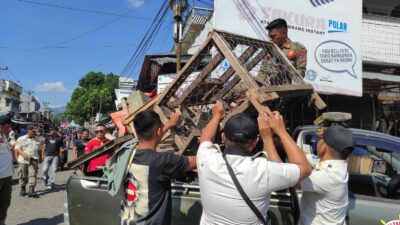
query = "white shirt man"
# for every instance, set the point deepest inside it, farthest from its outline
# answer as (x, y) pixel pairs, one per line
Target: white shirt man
(222, 203)
(257, 176)
(325, 192)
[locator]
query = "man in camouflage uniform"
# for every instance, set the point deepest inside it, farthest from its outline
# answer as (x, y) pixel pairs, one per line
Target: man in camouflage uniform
(295, 52)
(29, 150)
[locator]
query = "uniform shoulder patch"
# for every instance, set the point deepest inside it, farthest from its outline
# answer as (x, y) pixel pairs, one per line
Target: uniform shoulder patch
(302, 57)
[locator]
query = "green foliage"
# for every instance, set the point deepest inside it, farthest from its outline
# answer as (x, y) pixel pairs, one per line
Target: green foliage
(95, 93)
(58, 118)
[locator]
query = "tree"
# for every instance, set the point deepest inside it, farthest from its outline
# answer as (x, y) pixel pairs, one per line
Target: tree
(95, 93)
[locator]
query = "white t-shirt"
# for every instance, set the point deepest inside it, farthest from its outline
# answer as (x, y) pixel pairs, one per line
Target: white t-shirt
(222, 203)
(325, 194)
(6, 165)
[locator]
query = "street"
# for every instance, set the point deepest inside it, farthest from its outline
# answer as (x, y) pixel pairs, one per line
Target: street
(45, 210)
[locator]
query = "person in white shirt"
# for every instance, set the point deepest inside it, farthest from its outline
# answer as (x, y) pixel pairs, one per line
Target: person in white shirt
(6, 167)
(325, 192)
(222, 203)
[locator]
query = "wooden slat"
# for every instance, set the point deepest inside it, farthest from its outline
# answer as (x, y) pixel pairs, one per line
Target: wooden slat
(99, 151)
(287, 88)
(127, 113)
(266, 97)
(185, 70)
(235, 64)
(243, 58)
(210, 92)
(318, 102)
(146, 106)
(198, 81)
(236, 79)
(164, 120)
(190, 142)
(253, 97)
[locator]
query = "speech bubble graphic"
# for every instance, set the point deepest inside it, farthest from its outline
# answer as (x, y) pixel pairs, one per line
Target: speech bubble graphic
(337, 57)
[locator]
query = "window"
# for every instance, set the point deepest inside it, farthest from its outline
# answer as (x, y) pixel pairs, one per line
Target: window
(369, 173)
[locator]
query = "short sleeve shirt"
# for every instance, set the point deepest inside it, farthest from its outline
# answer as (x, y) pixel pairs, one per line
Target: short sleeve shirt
(30, 146)
(53, 145)
(80, 145)
(325, 194)
(257, 176)
(99, 161)
(148, 191)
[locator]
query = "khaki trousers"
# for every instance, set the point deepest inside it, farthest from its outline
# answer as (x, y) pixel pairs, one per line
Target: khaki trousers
(27, 173)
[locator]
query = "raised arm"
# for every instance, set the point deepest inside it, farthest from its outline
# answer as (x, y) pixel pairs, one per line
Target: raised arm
(173, 121)
(208, 133)
(294, 153)
(267, 137)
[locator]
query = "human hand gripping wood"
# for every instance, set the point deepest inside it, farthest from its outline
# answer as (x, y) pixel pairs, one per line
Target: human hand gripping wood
(266, 136)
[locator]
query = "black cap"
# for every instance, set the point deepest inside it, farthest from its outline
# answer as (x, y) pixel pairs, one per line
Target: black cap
(339, 138)
(241, 128)
(5, 119)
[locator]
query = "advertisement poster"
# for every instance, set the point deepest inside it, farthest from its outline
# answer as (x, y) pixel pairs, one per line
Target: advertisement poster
(329, 29)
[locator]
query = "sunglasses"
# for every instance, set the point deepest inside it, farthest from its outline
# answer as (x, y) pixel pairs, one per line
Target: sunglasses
(99, 131)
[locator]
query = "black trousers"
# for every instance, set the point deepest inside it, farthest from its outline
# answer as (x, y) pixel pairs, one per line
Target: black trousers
(5, 196)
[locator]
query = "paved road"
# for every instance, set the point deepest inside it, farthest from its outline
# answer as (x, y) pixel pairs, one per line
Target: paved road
(45, 210)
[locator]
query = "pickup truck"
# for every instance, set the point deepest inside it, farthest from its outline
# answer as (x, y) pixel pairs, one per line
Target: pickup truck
(374, 186)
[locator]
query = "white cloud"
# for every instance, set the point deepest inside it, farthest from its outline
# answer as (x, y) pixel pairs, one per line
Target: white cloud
(52, 87)
(136, 3)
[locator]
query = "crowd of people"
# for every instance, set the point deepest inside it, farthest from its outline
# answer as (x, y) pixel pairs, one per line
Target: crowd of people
(235, 183)
(29, 146)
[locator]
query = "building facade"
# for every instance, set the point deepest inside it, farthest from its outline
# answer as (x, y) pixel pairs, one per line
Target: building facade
(10, 96)
(29, 107)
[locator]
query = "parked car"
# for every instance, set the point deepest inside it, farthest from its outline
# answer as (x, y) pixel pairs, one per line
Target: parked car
(374, 189)
(374, 174)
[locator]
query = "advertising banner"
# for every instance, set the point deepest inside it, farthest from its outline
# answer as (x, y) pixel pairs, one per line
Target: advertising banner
(329, 29)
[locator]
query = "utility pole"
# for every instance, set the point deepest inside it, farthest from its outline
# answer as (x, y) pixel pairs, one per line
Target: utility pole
(178, 7)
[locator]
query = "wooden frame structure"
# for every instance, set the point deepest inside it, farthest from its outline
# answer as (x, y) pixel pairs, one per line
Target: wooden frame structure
(195, 88)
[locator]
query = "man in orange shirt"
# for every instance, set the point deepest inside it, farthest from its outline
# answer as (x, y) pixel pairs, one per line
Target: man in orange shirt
(96, 164)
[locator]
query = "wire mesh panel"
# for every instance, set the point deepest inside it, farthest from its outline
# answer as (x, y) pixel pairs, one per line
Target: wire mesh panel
(225, 68)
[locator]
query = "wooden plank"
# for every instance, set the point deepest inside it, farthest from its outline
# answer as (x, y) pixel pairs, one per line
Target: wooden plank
(227, 51)
(199, 79)
(253, 97)
(99, 151)
(213, 81)
(318, 102)
(243, 58)
(266, 97)
(127, 112)
(245, 39)
(146, 106)
(287, 88)
(211, 91)
(180, 76)
(164, 120)
(191, 141)
(235, 80)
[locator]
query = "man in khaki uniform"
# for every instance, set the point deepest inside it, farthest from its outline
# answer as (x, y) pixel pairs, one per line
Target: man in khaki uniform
(29, 150)
(295, 52)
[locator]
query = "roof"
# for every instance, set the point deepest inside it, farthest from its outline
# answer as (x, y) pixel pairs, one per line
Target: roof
(381, 76)
(156, 64)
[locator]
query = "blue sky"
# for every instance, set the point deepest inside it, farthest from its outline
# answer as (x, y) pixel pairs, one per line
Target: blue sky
(48, 49)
